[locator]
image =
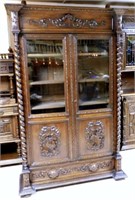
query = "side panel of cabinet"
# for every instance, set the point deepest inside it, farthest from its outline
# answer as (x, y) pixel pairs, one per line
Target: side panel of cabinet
(128, 136)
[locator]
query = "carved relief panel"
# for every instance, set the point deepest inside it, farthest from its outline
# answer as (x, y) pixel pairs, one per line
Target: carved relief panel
(94, 137)
(51, 142)
(70, 18)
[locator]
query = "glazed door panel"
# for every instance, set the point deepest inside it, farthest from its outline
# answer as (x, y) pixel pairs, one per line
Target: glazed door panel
(45, 58)
(93, 73)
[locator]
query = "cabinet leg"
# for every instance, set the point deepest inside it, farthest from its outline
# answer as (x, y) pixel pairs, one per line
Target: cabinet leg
(118, 174)
(25, 186)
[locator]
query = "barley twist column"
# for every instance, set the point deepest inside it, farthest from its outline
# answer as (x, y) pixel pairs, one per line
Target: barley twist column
(119, 174)
(119, 66)
(15, 30)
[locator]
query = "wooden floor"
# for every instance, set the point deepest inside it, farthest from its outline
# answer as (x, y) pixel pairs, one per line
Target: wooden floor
(108, 189)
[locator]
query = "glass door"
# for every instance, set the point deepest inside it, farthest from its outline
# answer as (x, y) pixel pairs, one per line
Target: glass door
(46, 76)
(130, 51)
(93, 74)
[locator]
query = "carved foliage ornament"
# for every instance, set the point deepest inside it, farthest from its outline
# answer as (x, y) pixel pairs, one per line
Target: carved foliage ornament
(95, 135)
(57, 172)
(67, 21)
(49, 141)
(132, 118)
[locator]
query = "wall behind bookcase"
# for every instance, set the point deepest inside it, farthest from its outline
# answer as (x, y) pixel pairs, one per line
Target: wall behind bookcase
(4, 35)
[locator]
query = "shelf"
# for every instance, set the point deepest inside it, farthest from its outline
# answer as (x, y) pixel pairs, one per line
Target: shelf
(93, 80)
(94, 54)
(44, 55)
(61, 104)
(49, 105)
(46, 82)
(9, 140)
(93, 102)
(8, 105)
(6, 101)
(128, 70)
(7, 74)
(12, 160)
(128, 94)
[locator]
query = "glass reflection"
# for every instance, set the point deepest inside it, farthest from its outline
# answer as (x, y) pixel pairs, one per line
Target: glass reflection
(93, 74)
(46, 76)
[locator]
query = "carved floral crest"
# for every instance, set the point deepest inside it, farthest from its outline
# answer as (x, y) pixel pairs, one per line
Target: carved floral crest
(49, 141)
(67, 21)
(95, 135)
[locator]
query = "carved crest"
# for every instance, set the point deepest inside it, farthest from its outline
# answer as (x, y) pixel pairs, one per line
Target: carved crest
(95, 135)
(67, 21)
(49, 141)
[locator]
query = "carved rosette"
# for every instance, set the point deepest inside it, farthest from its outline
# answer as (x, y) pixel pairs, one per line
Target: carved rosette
(67, 21)
(95, 136)
(49, 141)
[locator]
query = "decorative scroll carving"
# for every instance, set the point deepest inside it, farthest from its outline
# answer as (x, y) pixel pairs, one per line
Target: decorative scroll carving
(95, 136)
(67, 21)
(15, 23)
(131, 119)
(88, 167)
(132, 124)
(49, 141)
(124, 122)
